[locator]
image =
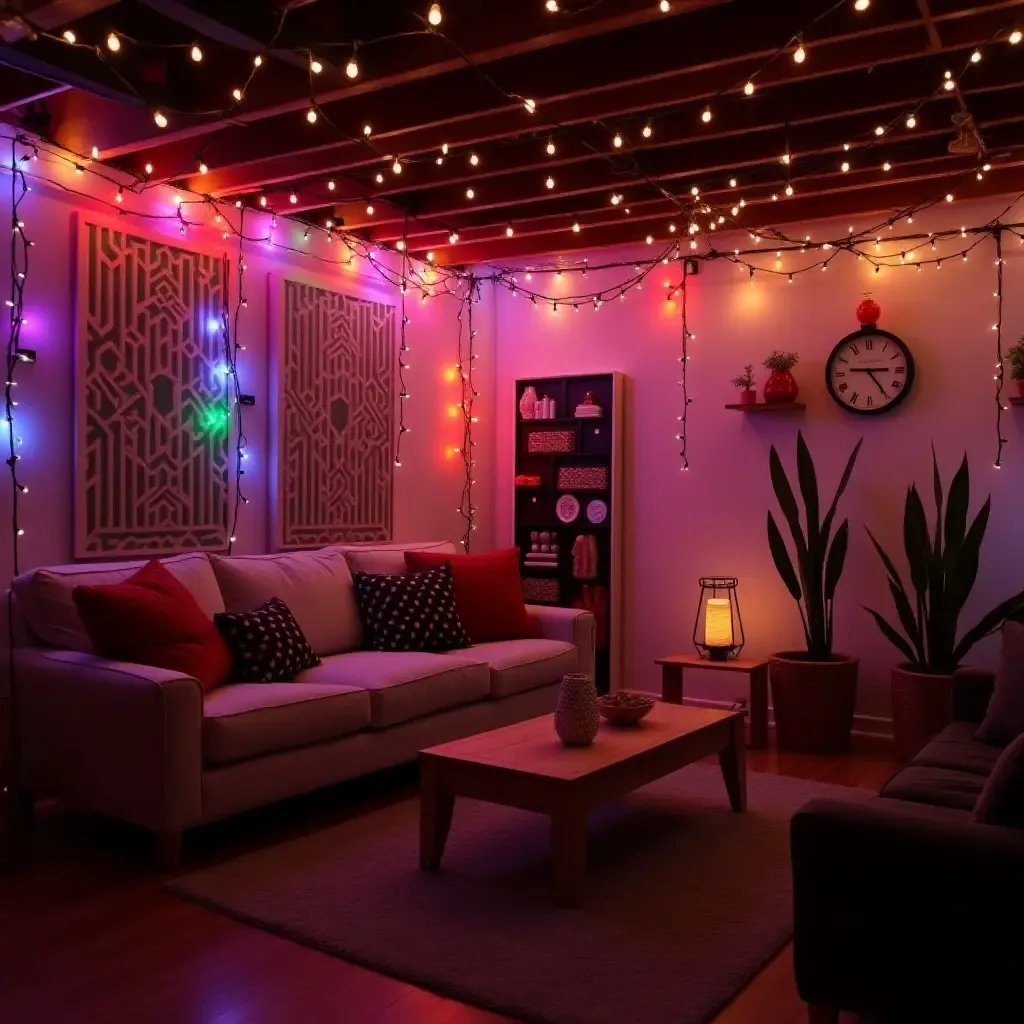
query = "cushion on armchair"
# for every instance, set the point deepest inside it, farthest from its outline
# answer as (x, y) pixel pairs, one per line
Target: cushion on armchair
(151, 618)
(1004, 720)
(488, 592)
(1002, 800)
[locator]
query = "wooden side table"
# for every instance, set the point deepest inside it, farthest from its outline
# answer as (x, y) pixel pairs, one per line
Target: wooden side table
(672, 669)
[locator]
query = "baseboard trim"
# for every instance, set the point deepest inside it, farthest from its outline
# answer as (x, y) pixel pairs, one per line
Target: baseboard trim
(863, 725)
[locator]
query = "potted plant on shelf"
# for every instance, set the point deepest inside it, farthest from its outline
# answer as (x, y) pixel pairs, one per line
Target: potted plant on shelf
(943, 567)
(748, 396)
(1016, 355)
(781, 385)
(813, 691)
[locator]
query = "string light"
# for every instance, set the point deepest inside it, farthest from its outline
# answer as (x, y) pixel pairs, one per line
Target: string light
(453, 237)
(1015, 37)
(733, 183)
(976, 56)
(648, 130)
(113, 43)
(530, 105)
(352, 67)
(467, 363)
(748, 89)
(160, 119)
(617, 141)
(706, 115)
(236, 95)
(258, 60)
(474, 159)
(684, 360)
(799, 54)
(550, 147)
(509, 231)
(71, 38)
(1000, 440)
(396, 167)
(470, 193)
(369, 210)
(403, 349)
(664, 6)
(196, 53)
(911, 121)
(434, 15)
(311, 115)
(550, 182)
(861, 5)
(576, 227)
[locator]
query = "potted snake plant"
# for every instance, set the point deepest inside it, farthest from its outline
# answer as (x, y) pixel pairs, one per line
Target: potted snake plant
(813, 691)
(943, 566)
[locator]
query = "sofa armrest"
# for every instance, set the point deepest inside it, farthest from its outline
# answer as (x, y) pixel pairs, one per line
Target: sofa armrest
(570, 625)
(113, 737)
(898, 904)
(972, 691)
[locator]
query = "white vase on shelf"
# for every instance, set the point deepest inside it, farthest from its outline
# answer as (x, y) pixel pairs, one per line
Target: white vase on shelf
(528, 403)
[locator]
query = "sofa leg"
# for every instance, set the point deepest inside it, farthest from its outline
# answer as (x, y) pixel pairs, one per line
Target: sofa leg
(818, 1014)
(168, 850)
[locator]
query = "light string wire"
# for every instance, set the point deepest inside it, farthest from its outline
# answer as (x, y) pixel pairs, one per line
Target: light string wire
(231, 350)
(19, 266)
(466, 367)
(684, 362)
(1000, 363)
(403, 348)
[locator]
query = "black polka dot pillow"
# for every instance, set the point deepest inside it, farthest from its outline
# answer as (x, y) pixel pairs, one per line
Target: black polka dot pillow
(412, 612)
(267, 645)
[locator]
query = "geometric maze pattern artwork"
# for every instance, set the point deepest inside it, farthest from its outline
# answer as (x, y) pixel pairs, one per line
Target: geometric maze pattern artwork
(335, 417)
(151, 397)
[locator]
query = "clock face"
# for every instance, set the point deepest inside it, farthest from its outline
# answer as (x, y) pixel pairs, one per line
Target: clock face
(869, 371)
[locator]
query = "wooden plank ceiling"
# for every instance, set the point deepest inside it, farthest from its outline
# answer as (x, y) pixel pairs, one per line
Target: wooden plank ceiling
(511, 129)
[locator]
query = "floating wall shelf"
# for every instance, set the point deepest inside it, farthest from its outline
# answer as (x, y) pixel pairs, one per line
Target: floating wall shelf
(779, 408)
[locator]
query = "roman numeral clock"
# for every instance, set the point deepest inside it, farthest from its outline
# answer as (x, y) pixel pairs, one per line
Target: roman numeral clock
(870, 371)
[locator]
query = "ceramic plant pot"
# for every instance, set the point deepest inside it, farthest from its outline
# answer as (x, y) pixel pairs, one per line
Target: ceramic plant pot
(748, 397)
(781, 386)
(813, 702)
(576, 715)
(922, 705)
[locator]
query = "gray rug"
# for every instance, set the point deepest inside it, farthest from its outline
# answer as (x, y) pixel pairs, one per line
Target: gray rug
(686, 901)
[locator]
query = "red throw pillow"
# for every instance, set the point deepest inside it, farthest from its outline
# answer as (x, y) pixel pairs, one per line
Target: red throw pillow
(151, 618)
(488, 592)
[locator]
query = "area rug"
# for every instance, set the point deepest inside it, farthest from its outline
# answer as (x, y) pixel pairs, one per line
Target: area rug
(686, 901)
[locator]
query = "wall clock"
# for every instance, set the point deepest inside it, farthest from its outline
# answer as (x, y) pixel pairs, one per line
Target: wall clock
(870, 371)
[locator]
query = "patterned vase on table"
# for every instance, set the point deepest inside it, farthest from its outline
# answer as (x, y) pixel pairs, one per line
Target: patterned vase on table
(576, 715)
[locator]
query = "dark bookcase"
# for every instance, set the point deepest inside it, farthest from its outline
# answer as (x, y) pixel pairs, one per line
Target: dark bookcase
(590, 471)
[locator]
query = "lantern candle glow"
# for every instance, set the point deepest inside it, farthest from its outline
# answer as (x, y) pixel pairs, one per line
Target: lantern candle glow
(722, 635)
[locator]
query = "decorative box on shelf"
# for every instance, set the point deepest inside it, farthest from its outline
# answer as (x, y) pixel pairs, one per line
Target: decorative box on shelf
(551, 442)
(582, 478)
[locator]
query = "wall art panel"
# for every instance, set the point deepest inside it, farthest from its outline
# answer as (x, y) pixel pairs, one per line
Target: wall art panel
(152, 419)
(334, 411)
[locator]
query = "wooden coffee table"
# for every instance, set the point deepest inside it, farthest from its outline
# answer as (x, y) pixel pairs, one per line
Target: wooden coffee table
(526, 766)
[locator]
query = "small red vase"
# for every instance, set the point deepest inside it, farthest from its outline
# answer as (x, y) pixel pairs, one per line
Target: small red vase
(781, 386)
(748, 397)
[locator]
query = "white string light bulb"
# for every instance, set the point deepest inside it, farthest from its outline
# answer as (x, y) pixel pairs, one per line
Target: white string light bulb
(552, 6)
(550, 182)
(799, 54)
(196, 53)
(617, 141)
(311, 115)
(236, 95)
(71, 38)
(113, 42)
(648, 130)
(474, 159)
(706, 115)
(1015, 37)
(550, 147)
(861, 5)
(369, 210)
(453, 237)
(352, 67)
(911, 121)
(160, 119)
(748, 89)
(732, 183)
(576, 227)
(509, 231)
(976, 56)
(397, 166)
(257, 60)
(331, 186)
(367, 130)
(470, 194)
(434, 15)
(293, 199)
(664, 6)
(844, 166)
(530, 105)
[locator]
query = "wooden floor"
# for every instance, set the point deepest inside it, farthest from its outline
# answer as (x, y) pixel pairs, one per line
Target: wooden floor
(87, 935)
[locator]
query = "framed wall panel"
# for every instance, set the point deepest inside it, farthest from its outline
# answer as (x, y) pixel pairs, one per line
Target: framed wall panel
(333, 411)
(151, 402)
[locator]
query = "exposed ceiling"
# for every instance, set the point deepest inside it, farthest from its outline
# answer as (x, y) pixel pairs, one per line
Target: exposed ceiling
(593, 70)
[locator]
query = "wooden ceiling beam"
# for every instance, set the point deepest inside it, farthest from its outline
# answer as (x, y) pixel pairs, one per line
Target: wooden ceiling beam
(402, 64)
(847, 203)
(19, 87)
(238, 171)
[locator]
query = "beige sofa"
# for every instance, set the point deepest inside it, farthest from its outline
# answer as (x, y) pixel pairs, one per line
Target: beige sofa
(145, 745)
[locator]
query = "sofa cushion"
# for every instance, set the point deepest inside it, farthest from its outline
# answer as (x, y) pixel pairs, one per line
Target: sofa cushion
(243, 720)
(405, 685)
(44, 595)
(518, 665)
(955, 747)
(488, 592)
(388, 559)
(414, 612)
(152, 619)
(267, 645)
(940, 787)
(1004, 720)
(1002, 800)
(316, 586)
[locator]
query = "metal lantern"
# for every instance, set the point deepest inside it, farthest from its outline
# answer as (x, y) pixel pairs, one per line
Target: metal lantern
(718, 628)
